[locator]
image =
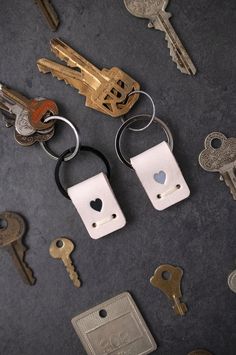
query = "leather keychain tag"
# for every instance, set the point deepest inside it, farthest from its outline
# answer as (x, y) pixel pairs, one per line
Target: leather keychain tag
(97, 206)
(160, 175)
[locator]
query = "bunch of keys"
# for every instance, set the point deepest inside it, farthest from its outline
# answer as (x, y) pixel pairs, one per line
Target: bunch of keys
(106, 90)
(155, 12)
(27, 116)
(219, 156)
(12, 231)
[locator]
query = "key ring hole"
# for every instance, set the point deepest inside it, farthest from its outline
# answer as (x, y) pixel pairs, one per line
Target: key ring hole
(3, 223)
(59, 243)
(216, 143)
(166, 275)
(103, 313)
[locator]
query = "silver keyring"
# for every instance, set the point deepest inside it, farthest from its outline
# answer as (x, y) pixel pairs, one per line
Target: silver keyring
(130, 121)
(153, 111)
(49, 151)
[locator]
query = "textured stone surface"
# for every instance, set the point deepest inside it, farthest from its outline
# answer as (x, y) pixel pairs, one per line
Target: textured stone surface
(198, 234)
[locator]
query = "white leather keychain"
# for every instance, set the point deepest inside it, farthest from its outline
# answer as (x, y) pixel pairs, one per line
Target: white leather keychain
(94, 199)
(156, 168)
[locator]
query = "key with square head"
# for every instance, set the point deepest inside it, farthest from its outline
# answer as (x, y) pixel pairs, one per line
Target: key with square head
(49, 13)
(106, 90)
(219, 156)
(61, 248)
(27, 114)
(155, 12)
(12, 230)
(168, 279)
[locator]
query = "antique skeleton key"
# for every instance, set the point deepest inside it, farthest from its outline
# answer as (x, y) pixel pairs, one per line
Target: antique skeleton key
(49, 13)
(155, 12)
(219, 155)
(168, 279)
(106, 90)
(12, 230)
(61, 248)
(26, 115)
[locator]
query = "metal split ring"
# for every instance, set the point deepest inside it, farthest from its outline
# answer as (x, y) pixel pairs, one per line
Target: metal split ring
(77, 146)
(63, 158)
(129, 122)
(153, 111)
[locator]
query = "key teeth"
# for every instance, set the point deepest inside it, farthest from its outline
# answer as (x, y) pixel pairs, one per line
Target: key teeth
(73, 274)
(190, 71)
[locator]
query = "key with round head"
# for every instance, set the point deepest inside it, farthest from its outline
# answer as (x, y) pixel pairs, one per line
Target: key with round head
(219, 156)
(155, 12)
(168, 279)
(61, 248)
(12, 230)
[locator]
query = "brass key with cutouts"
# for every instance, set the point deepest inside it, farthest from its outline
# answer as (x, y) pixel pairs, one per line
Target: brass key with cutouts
(106, 90)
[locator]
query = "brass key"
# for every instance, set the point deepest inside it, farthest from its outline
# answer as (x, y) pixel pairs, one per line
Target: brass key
(106, 90)
(61, 248)
(12, 230)
(49, 13)
(168, 278)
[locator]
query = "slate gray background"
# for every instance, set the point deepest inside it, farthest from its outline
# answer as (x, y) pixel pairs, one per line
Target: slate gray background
(197, 234)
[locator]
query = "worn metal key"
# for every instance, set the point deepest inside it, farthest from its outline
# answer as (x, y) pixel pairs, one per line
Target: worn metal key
(168, 279)
(155, 12)
(106, 90)
(219, 156)
(61, 248)
(26, 115)
(49, 13)
(12, 230)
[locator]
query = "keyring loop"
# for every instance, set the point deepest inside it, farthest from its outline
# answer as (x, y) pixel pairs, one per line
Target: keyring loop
(62, 158)
(153, 111)
(77, 146)
(129, 122)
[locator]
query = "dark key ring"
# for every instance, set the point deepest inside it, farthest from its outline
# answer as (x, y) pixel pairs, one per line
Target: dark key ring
(68, 151)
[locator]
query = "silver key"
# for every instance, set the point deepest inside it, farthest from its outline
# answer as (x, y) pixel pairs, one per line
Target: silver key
(219, 155)
(13, 106)
(61, 248)
(154, 10)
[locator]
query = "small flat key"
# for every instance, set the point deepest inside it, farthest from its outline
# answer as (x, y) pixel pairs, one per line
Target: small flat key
(219, 156)
(49, 13)
(155, 12)
(12, 231)
(61, 248)
(168, 279)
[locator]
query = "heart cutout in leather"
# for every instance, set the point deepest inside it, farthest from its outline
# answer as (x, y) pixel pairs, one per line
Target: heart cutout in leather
(96, 204)
(160, 177)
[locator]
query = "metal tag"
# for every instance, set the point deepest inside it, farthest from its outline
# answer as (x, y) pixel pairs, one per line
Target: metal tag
(114, 327)
(160, 176)
(97, 206)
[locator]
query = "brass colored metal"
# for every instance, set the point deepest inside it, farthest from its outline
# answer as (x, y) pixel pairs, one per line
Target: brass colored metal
(11, 233)
(61, 248)
(49, 13)
(200, 352)
(106, 90)
(168, 279)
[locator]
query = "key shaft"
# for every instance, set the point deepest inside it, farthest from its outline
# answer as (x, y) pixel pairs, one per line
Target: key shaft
(49, 13)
